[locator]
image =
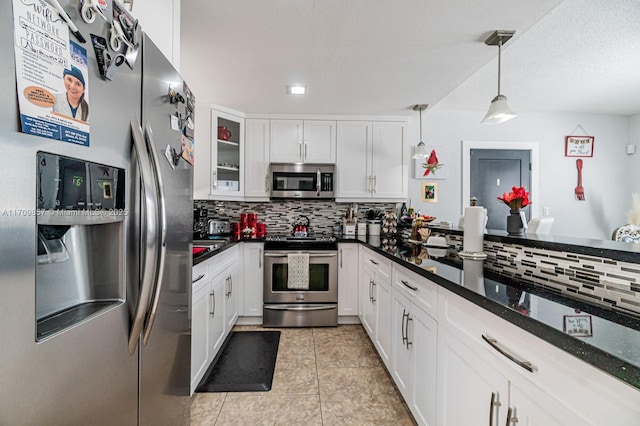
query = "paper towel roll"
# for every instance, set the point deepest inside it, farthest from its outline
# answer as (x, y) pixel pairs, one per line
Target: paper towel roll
(474, 229)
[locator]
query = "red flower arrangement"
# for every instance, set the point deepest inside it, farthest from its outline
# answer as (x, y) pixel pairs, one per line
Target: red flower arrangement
(516, 199)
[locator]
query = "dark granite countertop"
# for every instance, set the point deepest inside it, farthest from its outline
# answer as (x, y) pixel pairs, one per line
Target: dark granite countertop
(614, 343)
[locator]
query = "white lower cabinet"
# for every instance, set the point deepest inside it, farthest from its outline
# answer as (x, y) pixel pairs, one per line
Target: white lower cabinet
(252, 293)
(348, 274)
(214, 311)
(414, 335)
(375, 300)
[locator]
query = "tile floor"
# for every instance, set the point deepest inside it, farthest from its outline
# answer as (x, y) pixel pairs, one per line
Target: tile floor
(323, 376)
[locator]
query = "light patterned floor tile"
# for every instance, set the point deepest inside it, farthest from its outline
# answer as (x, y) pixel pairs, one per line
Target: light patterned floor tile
(270, 410)
(205, 408)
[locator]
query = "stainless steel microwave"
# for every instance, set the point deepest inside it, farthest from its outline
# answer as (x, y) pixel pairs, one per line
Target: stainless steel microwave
(304, 181)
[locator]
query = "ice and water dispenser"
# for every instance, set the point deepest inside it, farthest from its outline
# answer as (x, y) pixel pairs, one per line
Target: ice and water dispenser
(80, 248)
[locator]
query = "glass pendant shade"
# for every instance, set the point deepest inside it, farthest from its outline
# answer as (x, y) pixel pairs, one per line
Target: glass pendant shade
(499, 111)
(421, 151)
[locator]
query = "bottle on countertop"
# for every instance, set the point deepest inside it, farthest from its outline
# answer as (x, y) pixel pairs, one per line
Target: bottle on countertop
(403, 210)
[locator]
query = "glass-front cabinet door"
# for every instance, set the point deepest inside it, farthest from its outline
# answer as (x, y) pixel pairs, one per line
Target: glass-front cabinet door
(227, 154)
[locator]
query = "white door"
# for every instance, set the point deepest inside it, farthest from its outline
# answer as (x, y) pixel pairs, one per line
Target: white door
(256, 159)
(466, 385)
(353, 159)
(382, 299)
(319, 140)
(286, 141)
(199, 329)
(389, 160)
(231, 302)
(366, 297)
(401, 354)
(216, 313)
(253, 279)
(348, 267)
(423, 341)
(533, 407)
(202, 171)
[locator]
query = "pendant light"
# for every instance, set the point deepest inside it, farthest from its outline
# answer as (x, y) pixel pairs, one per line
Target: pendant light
(421, 150)
(499, 110)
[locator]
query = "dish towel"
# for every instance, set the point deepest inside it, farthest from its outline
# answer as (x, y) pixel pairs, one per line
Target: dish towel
(298, 265)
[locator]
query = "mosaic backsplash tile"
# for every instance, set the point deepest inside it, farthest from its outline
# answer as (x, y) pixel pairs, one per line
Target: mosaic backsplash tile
(280, 216)
(611, 283)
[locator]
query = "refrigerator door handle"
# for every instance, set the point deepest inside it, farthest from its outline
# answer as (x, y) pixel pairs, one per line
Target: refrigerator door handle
(149, 242)
(162, 209)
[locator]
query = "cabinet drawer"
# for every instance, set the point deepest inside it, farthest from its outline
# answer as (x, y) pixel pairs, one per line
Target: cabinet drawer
(422, 292)
(380, 264)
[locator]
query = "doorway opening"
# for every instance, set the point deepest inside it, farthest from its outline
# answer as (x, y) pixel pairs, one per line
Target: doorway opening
(491, 168)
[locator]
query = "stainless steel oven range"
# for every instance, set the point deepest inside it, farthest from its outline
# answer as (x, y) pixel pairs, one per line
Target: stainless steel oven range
(293, 302)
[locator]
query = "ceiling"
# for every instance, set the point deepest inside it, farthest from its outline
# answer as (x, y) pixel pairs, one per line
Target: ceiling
(377, 57)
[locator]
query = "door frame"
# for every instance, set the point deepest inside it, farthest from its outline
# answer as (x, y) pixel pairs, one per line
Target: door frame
(532, 147)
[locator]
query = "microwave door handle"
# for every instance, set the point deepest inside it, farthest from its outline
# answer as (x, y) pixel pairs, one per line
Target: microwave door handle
(163, 234)
(311, 255)
(318, 183)
(150, 232)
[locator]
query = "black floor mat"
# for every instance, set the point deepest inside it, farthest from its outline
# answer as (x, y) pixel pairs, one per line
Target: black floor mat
(245, 364)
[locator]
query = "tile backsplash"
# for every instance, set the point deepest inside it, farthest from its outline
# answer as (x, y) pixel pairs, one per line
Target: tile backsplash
(610, 283)
(280, 215)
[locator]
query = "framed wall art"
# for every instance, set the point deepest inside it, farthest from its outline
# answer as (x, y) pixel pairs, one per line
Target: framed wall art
(579, 146)
(429, 192)
(435, 166)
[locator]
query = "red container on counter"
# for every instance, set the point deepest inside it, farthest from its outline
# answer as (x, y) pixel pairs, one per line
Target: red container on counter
(261, 230)
(236, 230)
(252, 220)
(244, 220)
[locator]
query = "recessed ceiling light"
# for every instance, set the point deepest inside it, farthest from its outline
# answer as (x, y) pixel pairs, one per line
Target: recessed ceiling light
(296, 90)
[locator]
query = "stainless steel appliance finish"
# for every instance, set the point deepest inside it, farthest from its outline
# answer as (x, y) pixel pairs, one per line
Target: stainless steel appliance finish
(313, 307)
(304, 181)
(218, 227)
(85, 374)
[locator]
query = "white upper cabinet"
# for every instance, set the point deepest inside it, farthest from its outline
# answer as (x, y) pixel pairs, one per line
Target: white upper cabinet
(202, 153)
(160, 19)
(256, 159)
(372, 160)
(303, 141)
(227, 154)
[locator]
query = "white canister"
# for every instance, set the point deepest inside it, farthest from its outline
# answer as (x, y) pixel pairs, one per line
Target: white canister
(362, 228)
(374, 229)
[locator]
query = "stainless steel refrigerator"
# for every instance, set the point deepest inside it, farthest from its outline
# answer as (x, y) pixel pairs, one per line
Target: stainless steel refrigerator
(95, 264)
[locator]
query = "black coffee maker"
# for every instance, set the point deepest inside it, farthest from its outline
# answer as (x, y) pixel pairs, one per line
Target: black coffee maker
(200, 222)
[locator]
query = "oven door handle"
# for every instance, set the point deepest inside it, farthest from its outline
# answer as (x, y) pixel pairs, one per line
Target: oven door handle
(311, 255)
(300, 307)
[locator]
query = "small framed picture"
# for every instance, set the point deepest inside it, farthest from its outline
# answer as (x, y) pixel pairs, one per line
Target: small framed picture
(578, 325)
(579, 146)
(429, 192)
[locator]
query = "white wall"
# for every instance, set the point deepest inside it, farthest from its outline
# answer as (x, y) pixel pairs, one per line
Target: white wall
(605, 176)
(634, 159)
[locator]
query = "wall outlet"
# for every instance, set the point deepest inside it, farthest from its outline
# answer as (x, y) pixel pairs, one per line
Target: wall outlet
(631, 149)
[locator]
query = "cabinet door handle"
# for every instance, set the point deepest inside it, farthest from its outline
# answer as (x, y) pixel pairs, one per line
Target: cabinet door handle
(340, 258)
(259, 258)
(231, 281)
(402, 329)
(373, 261)
(300, 149)
(375, 184)
(305, 150)
(406, 284)
(492, 405)
(198, 279)
(511, 418)
(370, 290)
(266, 185)
(214, 180)
(212, 295)
(495, 345)
(406, 330)
(318, 177)
(373, 290)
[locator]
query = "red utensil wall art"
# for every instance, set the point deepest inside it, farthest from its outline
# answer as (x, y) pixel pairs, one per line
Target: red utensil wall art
(579, 191)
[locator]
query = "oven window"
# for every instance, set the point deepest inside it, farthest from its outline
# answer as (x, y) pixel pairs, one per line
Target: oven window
(294, 181)
(318, 277)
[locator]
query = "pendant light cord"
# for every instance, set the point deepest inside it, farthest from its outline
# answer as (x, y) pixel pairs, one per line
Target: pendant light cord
(499, 62)
(420, 124)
